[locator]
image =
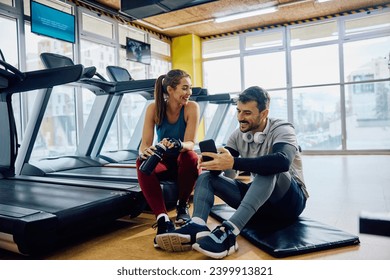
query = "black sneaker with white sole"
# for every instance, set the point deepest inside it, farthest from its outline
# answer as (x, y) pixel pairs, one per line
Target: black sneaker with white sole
(221, 242)
(182, 214)
(162, 227)
(182, 239)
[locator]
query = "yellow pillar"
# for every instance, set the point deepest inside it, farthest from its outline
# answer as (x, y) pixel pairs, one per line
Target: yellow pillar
(187, 55)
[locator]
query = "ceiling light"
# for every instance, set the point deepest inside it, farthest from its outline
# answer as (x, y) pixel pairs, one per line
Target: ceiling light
(321, 1)
(247, 14)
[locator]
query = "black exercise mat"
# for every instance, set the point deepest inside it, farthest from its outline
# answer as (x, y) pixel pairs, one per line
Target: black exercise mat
(282, 240)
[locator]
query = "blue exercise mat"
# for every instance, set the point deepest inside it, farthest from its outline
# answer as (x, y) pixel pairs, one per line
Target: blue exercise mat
(282, 240)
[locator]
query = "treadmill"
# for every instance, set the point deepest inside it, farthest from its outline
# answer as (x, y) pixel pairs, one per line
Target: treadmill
(84, 164)
(36, 217)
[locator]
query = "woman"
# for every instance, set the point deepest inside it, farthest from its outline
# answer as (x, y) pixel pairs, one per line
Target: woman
(176, 120)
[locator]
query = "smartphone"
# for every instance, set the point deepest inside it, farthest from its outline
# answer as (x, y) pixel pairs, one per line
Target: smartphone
(207, 146)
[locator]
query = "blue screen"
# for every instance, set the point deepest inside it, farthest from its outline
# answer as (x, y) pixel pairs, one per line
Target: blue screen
(52, 22)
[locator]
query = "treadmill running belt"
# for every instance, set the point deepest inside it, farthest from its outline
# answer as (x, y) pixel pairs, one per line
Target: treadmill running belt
(41, 215)
(15, 211)
(108, 173)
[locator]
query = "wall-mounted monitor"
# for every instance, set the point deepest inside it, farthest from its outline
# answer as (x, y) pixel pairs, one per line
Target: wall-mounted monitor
(138, 51)
(51, 22)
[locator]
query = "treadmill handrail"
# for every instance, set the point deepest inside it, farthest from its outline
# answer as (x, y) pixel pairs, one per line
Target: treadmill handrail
(219, 97)
(45, 78)
(99, 85)
(132, 86)
(9, 68)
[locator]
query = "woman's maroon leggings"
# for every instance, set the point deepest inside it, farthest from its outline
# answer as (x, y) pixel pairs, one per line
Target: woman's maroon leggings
(181, 169)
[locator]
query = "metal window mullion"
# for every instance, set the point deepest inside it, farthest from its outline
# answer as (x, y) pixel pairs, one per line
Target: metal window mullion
(343, 113)
(290, 103)
(77, 91)
(241, 43)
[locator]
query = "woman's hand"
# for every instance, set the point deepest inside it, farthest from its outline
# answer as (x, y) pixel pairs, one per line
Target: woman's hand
(173, 144)
(167, 143)
(176, 144)
(147, 152)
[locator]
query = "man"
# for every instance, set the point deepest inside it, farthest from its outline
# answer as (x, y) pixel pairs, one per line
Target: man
(268, 149)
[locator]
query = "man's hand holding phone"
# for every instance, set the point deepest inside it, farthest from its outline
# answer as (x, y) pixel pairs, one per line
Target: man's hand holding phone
(213, 159)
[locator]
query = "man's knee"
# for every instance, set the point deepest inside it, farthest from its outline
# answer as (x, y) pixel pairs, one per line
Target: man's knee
(204, 176)
(203, 180)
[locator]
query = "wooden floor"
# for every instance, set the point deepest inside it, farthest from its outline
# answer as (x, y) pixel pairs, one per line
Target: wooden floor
(340, 188)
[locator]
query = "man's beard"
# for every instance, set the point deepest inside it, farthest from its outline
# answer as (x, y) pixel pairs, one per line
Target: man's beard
(249, 128)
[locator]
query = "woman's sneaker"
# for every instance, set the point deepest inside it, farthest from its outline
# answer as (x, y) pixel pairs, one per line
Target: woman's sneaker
(220, 243)
(182, 214)
(162, 227)
(182, 239)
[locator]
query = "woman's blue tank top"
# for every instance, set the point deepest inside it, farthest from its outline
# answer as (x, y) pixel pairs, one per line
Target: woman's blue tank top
(172, 130)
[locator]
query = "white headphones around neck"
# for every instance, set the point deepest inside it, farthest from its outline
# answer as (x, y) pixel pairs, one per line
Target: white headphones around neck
(258, 137)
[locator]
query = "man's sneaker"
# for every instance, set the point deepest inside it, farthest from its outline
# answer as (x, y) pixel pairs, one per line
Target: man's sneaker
(220, 243)
(162, 227)
(182, 214)
(182, 239)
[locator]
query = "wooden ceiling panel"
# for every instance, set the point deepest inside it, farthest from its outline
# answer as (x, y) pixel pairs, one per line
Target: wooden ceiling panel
(114, 4)
(199, 20)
